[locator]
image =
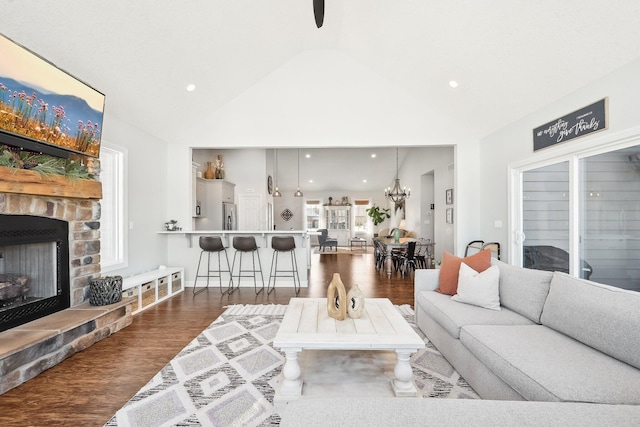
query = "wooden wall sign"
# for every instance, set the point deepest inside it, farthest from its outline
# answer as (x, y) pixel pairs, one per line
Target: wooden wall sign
(587, 120)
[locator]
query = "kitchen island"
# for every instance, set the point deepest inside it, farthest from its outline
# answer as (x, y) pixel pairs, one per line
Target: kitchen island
(184, 250)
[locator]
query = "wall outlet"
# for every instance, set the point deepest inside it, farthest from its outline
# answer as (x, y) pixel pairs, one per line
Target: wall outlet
(497, 223)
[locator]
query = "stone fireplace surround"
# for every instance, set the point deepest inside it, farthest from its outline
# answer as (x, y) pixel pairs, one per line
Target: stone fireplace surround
(29, 349)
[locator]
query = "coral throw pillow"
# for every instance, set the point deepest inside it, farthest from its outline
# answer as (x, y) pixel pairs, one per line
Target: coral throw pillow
(450, 269)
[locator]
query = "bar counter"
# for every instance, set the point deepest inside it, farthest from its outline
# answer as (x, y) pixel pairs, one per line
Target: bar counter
(184, 250)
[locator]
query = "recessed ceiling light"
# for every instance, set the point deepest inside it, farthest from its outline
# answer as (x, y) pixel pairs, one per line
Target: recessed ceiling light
(191, 87)
(364, 180)
(308, 156)
(373, 156)
(310, 181)
(453, 83)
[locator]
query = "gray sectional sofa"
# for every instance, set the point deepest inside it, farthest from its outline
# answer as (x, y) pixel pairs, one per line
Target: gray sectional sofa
(561, 351)
(556, 338)
(410, 411)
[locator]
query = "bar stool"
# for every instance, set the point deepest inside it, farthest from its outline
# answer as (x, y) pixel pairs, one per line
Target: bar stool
(283, 244)
(242, 245)
(212, 244)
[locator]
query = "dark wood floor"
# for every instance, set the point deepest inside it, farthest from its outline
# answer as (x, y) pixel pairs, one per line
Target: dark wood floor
(89, 387)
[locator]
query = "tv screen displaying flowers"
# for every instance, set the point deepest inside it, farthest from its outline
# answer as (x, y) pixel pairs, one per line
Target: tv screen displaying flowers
(43, 108)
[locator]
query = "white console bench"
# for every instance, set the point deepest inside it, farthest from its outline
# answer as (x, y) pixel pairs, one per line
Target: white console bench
(153, 286)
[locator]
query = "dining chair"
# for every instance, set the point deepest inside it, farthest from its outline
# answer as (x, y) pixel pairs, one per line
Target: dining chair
(379, 254)
(424, 255)
(408, 258)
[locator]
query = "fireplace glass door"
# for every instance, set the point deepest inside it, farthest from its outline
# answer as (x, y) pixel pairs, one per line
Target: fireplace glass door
(34, 268)
(27, 273)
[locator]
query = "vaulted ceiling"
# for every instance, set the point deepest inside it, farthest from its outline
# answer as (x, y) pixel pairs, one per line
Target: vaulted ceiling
(510, 57)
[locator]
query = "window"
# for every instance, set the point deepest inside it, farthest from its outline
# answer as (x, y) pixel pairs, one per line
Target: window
(312, 211)
(362, 222)
(113, 236)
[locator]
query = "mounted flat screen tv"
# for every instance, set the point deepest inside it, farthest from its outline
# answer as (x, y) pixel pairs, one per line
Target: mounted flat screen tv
(45, 109)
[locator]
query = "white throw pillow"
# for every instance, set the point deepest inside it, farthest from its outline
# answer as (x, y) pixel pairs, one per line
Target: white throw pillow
(481, 289)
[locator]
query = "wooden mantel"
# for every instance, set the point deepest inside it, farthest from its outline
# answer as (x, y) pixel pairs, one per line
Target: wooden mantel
(29, 182)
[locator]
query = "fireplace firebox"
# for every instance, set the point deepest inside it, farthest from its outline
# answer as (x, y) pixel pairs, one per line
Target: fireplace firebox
(34, 268)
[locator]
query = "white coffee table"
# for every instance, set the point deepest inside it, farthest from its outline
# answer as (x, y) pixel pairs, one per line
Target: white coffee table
(307, 326)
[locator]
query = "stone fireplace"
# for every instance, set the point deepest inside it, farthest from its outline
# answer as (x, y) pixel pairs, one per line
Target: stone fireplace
(82, 221)
(49, 254)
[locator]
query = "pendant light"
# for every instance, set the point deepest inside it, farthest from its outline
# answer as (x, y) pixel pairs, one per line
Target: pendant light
(397, 194)
(277, 192)
(298, 193)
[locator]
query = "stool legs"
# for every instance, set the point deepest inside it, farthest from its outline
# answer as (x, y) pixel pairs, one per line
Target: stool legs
(253, 271)
(273, 273)
(209, 271)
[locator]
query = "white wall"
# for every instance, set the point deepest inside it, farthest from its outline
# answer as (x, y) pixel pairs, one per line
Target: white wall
(514, 145)
(147, 194)
(324, 98)
(295, 205)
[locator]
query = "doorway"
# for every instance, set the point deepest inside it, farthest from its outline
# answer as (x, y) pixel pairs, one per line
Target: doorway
(427, 206)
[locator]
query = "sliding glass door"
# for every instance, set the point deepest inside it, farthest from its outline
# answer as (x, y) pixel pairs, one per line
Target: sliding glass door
(545, 213)
(610, 216)
(581, 215)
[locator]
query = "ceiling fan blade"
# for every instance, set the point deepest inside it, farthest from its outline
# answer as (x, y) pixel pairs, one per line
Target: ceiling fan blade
(318, 12)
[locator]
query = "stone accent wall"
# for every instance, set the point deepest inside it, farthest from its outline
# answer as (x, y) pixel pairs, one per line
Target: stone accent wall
(28, 350)
(84, 233)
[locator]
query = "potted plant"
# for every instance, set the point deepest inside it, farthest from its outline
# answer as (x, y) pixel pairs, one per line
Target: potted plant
(377, 214)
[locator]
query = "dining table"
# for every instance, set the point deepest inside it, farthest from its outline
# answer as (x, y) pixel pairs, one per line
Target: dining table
(389, 244)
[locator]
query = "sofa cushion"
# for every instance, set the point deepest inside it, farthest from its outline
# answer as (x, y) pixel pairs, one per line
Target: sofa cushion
(523, 290)
(543, 364)
(452, 315)
(450, 269)
(601, 316)
(479, 289)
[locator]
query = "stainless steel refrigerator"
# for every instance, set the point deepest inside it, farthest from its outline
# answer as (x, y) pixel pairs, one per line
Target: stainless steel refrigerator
(229, 216)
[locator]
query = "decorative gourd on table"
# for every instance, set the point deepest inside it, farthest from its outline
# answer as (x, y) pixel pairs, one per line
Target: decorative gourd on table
(337, 298)
(355, 302)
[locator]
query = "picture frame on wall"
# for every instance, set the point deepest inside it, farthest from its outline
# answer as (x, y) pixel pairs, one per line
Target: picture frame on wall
(449, 215)
(449, 196)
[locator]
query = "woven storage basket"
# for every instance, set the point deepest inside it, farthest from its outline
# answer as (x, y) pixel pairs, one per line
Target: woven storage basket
(105, 291)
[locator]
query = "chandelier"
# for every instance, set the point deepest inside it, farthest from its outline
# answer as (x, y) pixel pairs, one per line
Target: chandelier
(397, 194)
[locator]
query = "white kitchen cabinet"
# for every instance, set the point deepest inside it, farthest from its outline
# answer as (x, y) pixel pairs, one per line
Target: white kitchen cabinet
(337, 220)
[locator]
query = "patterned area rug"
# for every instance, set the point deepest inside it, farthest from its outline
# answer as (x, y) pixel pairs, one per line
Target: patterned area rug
(226, 375)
